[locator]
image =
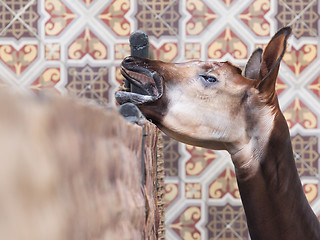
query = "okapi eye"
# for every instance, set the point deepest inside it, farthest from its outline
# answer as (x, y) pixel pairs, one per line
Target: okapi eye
(209, 78)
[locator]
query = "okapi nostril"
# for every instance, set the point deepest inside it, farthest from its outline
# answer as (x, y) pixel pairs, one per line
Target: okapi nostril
(128, 59)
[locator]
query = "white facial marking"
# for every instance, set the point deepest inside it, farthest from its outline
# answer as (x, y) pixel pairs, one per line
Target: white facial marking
(201, 115)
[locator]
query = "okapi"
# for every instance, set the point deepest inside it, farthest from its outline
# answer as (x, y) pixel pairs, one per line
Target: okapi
(218, 106)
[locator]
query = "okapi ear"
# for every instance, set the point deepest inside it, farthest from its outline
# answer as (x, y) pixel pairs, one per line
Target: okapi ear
(252, 67)
(270, 64)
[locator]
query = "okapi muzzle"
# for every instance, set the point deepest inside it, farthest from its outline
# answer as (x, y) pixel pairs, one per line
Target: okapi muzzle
(142, 74)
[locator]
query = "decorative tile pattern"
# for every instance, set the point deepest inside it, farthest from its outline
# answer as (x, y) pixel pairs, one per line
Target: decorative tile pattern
(228, 43)
(48, 79)
(193, 190)
(225, 183)
(228, 2)
(88, 2)
(87, 43)
(311, 191)
(75, 47)
(304, 15)
(254, 17)
(280, 86)
(172, 193)
(52, 51)
(113, 17)
(185, 224)
(171, 156)
(89, 82)
(193, 50)
(300, 59)
(306, 154)
(18, 59)
(121, 51)
(60, 17)
(226, 222)
(299, 113)
(202, 17)
(315, 87)
(158, 18)
(24, 26)
(199, 159)
(167, 52)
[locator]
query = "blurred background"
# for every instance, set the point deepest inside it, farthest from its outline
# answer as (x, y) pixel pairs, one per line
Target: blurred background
(76, 47)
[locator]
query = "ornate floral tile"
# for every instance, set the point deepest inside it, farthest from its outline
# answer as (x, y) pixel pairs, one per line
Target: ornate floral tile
(304, 15)
(24, 26)
(76, 47)
(158, 18)
(89, 82)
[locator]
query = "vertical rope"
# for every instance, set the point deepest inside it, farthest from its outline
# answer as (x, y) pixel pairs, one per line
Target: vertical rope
(160, 186)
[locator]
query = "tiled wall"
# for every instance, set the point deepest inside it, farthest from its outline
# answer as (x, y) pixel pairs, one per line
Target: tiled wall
(76, 47)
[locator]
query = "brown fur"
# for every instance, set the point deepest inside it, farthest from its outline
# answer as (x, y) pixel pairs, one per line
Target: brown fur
(68, 171)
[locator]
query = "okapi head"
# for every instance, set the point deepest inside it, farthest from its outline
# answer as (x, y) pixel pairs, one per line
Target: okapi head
(209, 104)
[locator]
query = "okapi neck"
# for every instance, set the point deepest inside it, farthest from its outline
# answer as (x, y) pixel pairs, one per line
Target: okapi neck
(273, 198)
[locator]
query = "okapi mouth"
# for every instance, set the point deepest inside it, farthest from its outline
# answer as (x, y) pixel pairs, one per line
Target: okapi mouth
(147, 82)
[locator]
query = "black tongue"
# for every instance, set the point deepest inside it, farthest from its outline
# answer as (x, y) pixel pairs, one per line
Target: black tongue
(129, 97)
